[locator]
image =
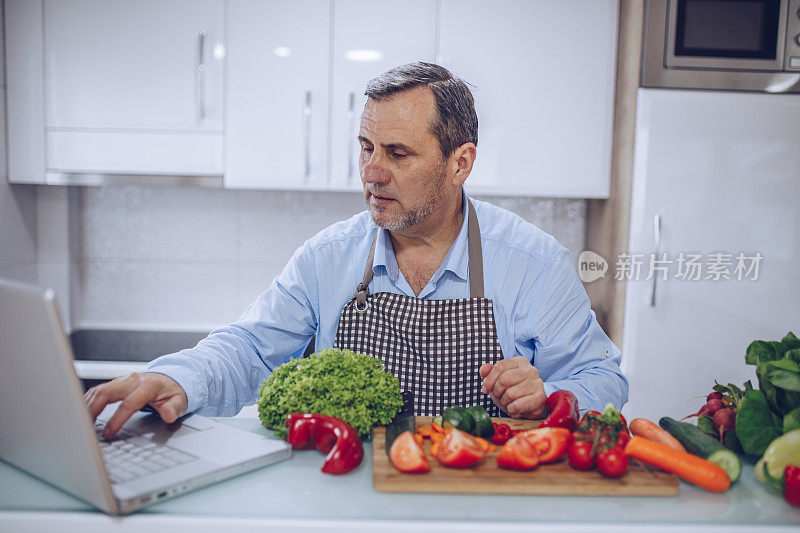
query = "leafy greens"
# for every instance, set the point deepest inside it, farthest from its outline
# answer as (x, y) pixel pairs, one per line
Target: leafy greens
(351, 386)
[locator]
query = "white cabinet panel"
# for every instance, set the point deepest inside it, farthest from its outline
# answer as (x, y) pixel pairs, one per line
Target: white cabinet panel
(24, 91)
(544, 74)
(277, 93)
(134, 153)
(368, 39)
(134, 65)
(721, 170)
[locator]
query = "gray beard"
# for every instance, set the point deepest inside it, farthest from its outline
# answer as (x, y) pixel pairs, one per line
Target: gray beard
(414, 217)
(407, 221)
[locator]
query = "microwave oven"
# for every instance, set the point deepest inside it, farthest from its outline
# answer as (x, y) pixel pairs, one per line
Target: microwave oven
(746, 45)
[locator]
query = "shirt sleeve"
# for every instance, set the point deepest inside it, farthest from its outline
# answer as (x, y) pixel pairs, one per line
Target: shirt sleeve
(224, 371)
(571, 350)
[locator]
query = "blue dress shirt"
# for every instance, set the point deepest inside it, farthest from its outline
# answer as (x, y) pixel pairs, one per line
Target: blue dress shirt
(541, 312)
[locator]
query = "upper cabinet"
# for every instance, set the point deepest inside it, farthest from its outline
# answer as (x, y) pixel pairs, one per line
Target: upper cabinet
(370, 38)
(277, 94)
(544, 75)
(130, 88)
(263, 94)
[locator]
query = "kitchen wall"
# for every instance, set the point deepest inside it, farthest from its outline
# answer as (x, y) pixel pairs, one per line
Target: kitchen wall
(191, 259)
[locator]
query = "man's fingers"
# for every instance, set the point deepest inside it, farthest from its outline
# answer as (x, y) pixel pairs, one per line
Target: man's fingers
(500, 367)
(172, 409)
(532, 406)
(485, 369)
(129, 405)
(98, 397)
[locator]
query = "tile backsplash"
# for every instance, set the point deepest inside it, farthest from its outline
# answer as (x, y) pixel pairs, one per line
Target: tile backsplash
(187, 259)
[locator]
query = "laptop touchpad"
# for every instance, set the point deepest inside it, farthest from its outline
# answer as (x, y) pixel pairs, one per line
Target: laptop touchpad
(226, 447)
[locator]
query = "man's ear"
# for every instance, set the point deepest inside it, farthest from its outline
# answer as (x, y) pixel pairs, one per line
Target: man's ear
(461, 161)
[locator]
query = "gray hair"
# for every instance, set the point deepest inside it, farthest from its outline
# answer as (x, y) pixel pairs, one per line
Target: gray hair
(457, 122)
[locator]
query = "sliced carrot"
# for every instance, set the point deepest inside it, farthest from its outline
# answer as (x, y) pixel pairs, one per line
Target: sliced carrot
(436, 428)
(418, 439)
(686, 466)
(435, 449)
(492, 448)
(483, 442)
(641, 427)
(425, 431)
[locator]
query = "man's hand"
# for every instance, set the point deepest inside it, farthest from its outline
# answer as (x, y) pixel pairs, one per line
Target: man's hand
(515, 387)
(137, 390)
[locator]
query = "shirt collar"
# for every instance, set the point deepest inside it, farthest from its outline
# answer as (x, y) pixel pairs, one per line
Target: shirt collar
(456, 260)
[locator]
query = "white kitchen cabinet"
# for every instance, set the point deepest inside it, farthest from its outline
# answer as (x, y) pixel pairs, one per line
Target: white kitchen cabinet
(544, 76)
(277, 94)
(127, 87)
(368, 39)
(720, 171)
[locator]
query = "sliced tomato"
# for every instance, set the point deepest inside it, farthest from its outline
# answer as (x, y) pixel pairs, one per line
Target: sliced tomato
(550, 443)
(459, 450)
(406, 454)
(518, 454)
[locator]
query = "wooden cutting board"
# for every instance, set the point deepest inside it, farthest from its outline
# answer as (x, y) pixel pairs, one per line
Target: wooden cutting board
(486, 478)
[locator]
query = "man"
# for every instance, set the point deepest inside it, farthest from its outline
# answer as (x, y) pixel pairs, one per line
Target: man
(466, 303)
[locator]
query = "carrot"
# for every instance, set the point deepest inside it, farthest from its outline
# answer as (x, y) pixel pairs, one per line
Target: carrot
(434, 449)
(436, 428)
(425, 431)
(483, 443)
(418, 438)
(642, 427)
(686, 466)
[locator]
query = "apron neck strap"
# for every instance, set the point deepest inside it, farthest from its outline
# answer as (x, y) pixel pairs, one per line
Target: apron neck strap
(475, 261)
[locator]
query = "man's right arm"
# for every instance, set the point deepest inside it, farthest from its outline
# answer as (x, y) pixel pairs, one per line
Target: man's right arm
(223, 372)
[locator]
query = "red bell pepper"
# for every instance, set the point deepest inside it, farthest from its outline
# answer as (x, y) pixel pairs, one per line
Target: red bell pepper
(562, 407)
(502, 432)
(329, 435)
(791, 484)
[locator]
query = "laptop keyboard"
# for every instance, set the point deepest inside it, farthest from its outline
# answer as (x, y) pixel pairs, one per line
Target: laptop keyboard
(127, 458)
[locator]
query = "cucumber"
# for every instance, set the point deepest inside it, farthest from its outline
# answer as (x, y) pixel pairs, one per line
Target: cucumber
(482, 423)
(698, 443)
(457, 417)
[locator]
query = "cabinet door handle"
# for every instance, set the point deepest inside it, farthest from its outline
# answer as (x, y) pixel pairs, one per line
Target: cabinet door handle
(351, 116)
(307, 136)
(657, 244)
(201, 76)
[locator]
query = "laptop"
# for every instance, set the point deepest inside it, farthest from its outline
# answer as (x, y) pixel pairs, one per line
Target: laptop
(46, 429)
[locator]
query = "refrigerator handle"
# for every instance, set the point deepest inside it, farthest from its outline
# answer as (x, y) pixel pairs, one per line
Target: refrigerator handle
(657, 244)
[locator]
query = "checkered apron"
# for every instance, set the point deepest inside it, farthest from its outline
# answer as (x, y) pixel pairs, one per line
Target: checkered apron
(434, 347)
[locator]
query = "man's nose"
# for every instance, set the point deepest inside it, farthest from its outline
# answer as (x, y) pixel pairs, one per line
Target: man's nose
(373, 171)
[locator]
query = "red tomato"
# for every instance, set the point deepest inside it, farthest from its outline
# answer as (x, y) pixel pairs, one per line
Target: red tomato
(406, 454)
(612, 463)
(518, 454)
(459, 450)
(580, 455)
(550, 443)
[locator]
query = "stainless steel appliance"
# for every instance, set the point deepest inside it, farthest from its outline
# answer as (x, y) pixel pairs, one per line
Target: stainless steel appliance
(745, 45)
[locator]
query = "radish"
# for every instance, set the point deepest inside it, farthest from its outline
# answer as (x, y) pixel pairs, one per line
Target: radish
(724, 420)
(714, 396)
(710, 408)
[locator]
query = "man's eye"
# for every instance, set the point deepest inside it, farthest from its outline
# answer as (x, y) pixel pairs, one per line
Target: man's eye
(398, 155)
(366, 149)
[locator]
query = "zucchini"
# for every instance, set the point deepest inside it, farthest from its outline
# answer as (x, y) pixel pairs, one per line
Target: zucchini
(457, 417)
(482, 423)
(703, 445)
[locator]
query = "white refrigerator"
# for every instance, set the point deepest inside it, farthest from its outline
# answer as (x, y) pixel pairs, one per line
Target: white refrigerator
(716, 195)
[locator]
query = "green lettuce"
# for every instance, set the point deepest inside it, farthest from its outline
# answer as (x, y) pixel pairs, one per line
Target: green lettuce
(351, 386)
